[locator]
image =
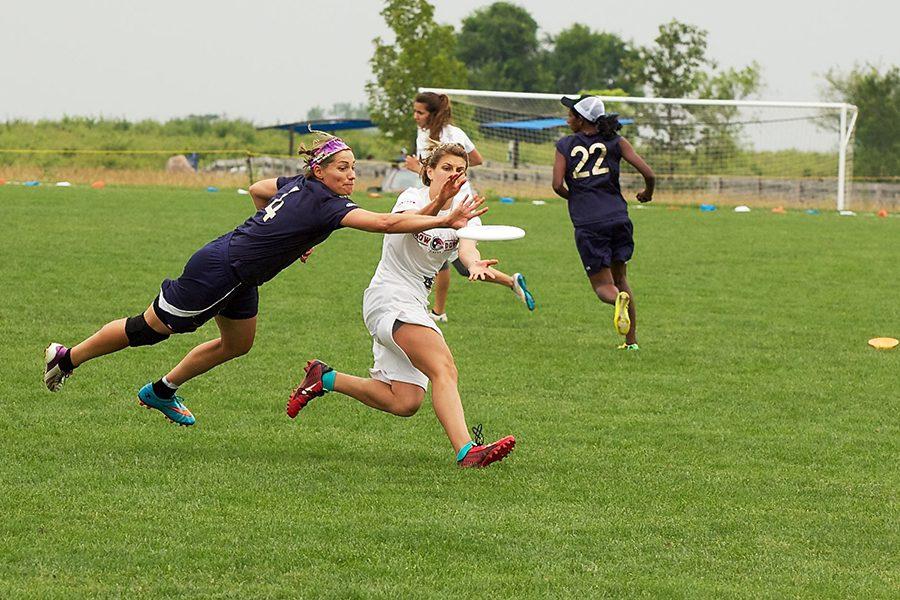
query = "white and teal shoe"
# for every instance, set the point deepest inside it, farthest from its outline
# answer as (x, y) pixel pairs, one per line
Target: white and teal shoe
(520, 289)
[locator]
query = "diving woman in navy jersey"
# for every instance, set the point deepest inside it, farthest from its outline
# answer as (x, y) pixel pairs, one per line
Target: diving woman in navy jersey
(586, 173)
(220, 280)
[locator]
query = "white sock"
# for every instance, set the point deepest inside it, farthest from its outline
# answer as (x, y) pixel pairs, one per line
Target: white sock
(169, 385)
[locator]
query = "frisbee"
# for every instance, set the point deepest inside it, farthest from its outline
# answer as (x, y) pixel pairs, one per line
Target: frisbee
(883, 343)
(490, 233)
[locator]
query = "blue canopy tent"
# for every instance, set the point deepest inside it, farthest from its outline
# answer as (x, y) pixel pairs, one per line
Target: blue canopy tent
(326, 125)
(536, 124)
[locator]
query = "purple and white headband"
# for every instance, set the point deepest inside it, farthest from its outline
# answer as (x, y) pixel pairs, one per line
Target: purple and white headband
(329, 148)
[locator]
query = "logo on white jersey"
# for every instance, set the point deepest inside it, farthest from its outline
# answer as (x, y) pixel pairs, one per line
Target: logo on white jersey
(436, 243)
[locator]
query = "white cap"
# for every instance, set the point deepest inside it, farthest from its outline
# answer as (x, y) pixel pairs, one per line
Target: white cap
(589, 107)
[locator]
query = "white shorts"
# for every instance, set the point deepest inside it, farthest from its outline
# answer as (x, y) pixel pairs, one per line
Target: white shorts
(382, 307)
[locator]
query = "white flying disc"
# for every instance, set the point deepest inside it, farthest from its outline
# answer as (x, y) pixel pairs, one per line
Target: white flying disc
(490, 233)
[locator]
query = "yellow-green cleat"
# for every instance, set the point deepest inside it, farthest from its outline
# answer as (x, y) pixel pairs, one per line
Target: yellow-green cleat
(621, 320)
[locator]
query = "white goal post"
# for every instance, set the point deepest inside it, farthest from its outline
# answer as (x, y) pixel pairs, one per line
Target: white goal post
(774, 151)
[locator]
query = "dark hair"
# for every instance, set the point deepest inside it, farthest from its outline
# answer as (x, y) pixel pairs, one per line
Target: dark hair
(438, 152)
(439, 115)
(607, 125)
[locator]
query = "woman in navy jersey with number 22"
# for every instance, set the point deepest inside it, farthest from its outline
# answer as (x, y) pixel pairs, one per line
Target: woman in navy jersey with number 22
(586, 173)
(220, 280)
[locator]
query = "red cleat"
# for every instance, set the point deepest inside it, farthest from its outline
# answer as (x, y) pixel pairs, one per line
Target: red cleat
(310, 388)
(482, 455)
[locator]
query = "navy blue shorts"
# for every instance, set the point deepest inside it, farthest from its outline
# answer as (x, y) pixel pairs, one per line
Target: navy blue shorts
(602, 244)
(207, 287)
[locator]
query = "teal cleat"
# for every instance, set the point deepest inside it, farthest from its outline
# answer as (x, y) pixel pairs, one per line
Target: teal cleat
(172, 409)
(521, 290)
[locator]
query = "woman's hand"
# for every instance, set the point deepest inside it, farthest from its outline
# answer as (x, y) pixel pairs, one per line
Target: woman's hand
(643, 196)
(481, 269)
(465, 210)
(413, 164)
(451, 187)
(305, 256)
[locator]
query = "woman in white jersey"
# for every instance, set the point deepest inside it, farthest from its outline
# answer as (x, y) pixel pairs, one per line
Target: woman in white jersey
(408, 347)
(433, 118)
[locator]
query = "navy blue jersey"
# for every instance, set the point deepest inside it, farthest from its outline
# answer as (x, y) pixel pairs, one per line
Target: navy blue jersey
(592, 176)
(302, 213)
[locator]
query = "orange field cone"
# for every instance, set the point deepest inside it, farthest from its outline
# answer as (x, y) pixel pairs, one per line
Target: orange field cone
(2, 181)
(779, 210)
(98, 185)
(881, 213)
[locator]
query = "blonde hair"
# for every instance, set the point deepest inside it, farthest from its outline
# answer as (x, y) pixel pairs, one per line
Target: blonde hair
(436, 151)
(324, 148)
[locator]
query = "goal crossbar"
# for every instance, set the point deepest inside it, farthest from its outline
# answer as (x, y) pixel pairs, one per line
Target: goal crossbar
(646, 100)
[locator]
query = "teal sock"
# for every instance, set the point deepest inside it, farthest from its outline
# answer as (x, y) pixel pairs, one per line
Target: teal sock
(328, 381)
(463, 451)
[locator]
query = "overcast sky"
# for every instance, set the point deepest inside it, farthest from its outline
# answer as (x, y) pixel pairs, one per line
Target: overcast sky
(272, 60)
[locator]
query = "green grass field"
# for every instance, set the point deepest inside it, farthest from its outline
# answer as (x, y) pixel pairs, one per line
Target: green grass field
(750, 449)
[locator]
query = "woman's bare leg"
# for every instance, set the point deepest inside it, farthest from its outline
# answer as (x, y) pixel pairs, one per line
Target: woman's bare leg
(441, 289)
(111, 338)
(501, 278)
(398, 398)
(603, 285)
(236, 339)
(619, 273)
(429, 353)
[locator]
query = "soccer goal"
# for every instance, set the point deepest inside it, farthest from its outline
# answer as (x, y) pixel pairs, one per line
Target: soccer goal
(703, 150)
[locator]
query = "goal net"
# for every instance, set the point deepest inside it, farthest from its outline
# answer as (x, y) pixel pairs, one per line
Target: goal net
(729, 151)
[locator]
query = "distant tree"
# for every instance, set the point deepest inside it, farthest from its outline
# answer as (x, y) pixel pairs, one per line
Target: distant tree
(340, 110)
(674, 66)
(348, 110)
(877, 95)
(582, 58)
(499, 44)
(316, 113)
(677, 66)
(422, 54)
(604, 92)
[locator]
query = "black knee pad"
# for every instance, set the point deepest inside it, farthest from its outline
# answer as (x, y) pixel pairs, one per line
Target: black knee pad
(141, 334)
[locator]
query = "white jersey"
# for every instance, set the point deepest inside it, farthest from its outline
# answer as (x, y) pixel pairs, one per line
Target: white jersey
(411, 260)
(449, 134)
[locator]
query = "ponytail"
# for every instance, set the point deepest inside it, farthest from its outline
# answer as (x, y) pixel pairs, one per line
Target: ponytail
(439, 113)
(608, 126)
